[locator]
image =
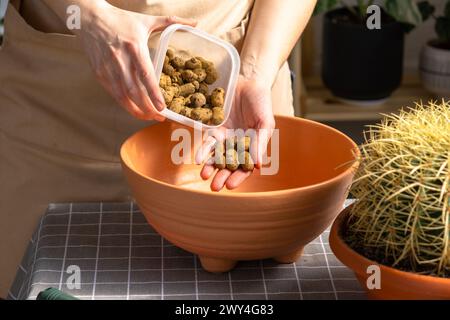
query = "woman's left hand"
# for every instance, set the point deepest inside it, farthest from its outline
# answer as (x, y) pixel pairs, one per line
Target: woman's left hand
(252, 109)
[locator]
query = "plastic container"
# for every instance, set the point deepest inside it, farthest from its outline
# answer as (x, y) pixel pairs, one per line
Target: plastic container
(188, 41)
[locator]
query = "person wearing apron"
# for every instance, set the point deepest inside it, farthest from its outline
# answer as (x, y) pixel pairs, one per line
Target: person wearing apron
(66, 97)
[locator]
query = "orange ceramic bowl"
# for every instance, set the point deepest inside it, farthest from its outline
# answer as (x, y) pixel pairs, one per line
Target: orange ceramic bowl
(268, 216)
(394, 284)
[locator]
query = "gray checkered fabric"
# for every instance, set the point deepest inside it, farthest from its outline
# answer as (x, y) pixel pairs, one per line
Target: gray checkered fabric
(121, 257)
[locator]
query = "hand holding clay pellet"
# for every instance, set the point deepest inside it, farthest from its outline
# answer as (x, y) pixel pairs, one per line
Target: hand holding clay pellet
(233, 160)
(185, 87)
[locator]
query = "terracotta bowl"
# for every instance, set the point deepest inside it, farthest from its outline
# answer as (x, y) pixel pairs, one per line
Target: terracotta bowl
(266, 217)
(394, 284)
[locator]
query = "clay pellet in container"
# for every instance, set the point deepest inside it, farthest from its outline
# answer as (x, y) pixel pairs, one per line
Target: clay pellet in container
(217, 97)
(193, 63)
(186, 89)
(201, 114)
(218, 116)
(197, 100)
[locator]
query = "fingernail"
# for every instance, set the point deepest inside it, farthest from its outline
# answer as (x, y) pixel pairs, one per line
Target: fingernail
(160, 106)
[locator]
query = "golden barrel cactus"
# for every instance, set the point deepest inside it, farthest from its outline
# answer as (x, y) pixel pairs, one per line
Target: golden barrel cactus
(402, 216)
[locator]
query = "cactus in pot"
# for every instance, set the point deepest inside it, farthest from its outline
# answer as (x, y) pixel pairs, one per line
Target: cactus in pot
(402, 216)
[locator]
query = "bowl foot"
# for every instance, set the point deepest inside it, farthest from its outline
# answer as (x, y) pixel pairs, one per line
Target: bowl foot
(217, 265)
(290, 257)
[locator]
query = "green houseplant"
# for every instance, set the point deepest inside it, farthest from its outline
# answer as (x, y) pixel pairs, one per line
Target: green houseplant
(435, 55)
(361, 63)
(401, 219)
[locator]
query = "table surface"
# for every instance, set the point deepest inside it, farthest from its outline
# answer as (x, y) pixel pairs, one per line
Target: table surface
(121, 257)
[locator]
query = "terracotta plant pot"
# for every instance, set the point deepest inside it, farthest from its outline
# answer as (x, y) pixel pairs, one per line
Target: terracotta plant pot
(394, 284)
(266, 217)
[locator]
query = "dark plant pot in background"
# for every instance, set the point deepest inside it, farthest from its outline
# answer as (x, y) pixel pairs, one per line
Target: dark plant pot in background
(358, 63)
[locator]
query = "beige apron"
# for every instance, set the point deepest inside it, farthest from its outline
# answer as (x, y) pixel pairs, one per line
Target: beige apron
(60, 132)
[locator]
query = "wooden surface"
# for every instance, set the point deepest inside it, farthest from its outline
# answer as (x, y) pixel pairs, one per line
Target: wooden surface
(320, 105)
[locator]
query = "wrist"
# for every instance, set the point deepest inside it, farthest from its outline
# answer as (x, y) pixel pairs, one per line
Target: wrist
(258, 70)
(91, 12)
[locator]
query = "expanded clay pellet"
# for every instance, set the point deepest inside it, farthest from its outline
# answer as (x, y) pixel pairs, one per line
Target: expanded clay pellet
(217, 97)
(177, 63)
(219, 156)
(211, 75)
(165, 81)
(217, 116)
(243, 144)
(177, 105)
(197, 100)
(200, 74)
(188, 75)
(177, 78)
(167, 95)
(203, 88)
(228, 151)
(245, 161)
(201, 114)
(193, 63)
(231, 158)
(186, 89)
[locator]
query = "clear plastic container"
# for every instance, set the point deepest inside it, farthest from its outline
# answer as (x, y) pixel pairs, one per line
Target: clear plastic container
(187, 41)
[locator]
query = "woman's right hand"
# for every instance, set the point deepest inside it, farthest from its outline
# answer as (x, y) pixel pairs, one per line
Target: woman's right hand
(115, 41)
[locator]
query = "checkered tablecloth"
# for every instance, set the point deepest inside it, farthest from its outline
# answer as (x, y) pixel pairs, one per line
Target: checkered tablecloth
(120, 256)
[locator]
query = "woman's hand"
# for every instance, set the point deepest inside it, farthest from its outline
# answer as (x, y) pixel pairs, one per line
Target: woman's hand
(252, 109)
(115, 41)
